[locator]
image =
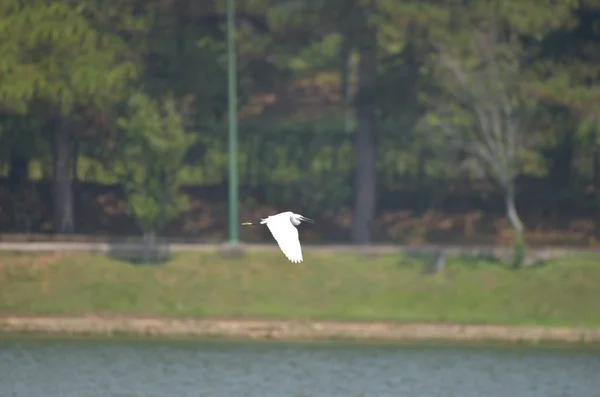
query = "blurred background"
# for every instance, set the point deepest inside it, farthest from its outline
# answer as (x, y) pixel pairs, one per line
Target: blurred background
(446, 126)
(456, 121)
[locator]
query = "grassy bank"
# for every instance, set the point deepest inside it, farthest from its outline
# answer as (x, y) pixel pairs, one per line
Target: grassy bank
(329, 286)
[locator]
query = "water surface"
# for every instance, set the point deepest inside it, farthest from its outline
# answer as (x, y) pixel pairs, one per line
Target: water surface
(130, 368)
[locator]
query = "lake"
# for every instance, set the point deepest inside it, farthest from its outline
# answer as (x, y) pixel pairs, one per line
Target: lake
(156, 368)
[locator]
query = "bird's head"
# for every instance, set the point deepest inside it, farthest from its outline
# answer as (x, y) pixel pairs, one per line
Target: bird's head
(296, 219)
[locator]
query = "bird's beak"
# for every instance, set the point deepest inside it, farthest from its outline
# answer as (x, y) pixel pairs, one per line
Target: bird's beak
(247, 224)
(305, 219)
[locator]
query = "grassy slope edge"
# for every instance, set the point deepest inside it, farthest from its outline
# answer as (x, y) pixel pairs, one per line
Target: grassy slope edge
(329, 286)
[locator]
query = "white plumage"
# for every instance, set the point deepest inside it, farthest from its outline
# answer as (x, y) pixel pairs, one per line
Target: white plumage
(283, 228)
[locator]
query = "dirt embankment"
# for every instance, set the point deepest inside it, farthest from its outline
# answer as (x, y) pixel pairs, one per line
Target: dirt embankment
(279, 329)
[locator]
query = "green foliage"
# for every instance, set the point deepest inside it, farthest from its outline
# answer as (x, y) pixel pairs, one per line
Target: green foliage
(151, 151)
(588, 131)
(52, 52)
(481, 103)
(186, 57)
(20, 135)
(566, 62)
(83, 59)
(317, 55)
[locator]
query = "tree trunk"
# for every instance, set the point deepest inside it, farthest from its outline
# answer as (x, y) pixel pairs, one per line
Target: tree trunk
(518, 258)
(596, 168)
(18, 175)
(162, 217)
(511, 211)
(74, 163)
(149, 254)
(365, 144)
(421, 164)
(18, 172)
(64, 218)
(346, 72)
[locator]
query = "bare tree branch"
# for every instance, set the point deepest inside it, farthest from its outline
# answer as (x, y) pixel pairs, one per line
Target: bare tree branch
(472, 102)
(483, 82)
(486, 89)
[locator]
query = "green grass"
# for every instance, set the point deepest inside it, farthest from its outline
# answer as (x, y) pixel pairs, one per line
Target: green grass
(326, 286)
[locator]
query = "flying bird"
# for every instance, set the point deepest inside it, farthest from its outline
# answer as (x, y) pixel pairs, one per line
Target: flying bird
(283, 229)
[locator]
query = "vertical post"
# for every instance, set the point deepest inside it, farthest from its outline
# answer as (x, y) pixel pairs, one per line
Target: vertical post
(232, 99)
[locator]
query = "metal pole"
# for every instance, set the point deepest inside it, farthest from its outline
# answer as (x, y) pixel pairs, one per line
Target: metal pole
(232, 83)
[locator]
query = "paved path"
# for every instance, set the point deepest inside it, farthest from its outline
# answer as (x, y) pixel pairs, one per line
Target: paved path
(107, 247)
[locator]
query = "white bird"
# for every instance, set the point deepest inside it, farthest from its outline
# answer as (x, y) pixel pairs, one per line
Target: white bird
(283, 229)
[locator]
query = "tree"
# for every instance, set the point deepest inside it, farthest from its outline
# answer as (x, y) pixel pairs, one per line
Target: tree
(296, 26)
(56, 63)
(19, 142)
(388, 90)
(365, 142)
(150, 153)
(487, 114)
(566, 69)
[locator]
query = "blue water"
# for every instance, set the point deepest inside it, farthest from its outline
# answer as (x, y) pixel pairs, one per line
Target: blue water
(130, 368)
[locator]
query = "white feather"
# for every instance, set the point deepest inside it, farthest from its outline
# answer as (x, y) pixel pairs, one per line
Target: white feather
(283, 228)
(286, 236)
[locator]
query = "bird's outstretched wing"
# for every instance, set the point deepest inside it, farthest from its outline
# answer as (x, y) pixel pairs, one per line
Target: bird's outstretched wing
(287, 238)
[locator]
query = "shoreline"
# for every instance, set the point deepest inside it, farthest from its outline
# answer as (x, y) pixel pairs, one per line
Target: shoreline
(262, 329)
